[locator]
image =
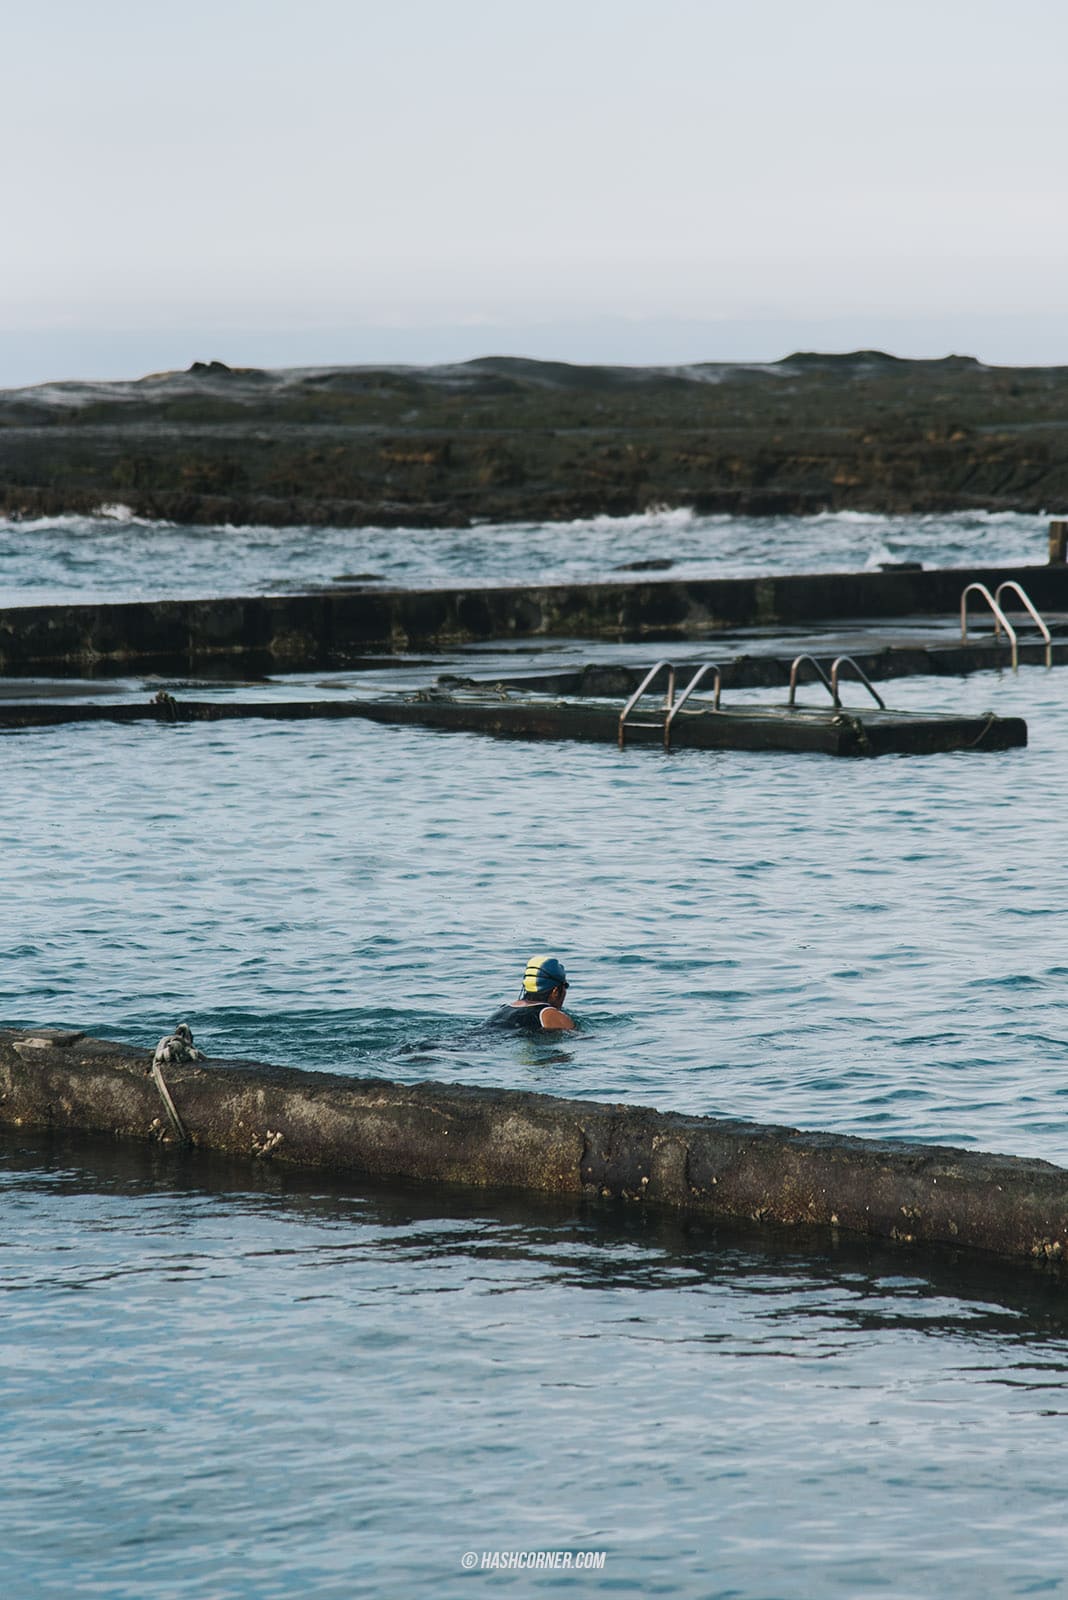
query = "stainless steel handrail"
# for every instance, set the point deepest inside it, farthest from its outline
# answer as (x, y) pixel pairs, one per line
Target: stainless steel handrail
(796, 663)
(640, 690)
(709, 666)
(847, 661)
(1010, 583)
(999, 618)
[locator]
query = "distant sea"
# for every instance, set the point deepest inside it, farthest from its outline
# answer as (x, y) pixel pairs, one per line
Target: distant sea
(118, 556)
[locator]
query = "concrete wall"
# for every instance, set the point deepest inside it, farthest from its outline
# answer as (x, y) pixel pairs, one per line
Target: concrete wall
(441, 1133)
(311, 631)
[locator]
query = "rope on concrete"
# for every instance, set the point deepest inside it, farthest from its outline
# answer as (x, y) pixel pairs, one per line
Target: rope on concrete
(166, 706)
(858, 730)
(169, 1106)
(177, 1046)
(991, 718)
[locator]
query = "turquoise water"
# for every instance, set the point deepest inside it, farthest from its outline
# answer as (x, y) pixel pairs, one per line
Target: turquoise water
(213, 1389)
(874, 947)
(217, 1390)
(232, 1384)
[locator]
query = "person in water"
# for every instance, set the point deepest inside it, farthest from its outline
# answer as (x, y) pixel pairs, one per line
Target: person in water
(541, 999)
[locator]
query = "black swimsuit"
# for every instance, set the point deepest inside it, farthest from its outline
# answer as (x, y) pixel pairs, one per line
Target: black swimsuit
(528, 1018)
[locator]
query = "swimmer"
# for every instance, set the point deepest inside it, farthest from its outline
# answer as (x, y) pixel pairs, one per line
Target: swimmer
(540, 999)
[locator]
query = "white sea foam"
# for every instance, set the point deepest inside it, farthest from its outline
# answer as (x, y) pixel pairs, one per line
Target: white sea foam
(662, 517)
(118, 555)
(116, 513)
(849, 518)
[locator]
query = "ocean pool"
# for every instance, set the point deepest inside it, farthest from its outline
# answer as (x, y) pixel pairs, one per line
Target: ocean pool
(236, 1384)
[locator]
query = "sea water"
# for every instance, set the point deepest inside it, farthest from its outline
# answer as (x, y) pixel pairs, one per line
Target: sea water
(224, 1381)
(874, 947)
(118, 556)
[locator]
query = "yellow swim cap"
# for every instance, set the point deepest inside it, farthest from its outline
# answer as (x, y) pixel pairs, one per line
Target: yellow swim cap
(543, 973)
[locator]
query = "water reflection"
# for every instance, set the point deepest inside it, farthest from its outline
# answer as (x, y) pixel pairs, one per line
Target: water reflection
(585, 1245)
(243, 1382)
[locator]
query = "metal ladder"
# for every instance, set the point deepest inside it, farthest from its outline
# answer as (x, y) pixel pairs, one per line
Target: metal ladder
(671, 706)
(1001, 620)
(660, 666)
(831, 683)
(673, 711)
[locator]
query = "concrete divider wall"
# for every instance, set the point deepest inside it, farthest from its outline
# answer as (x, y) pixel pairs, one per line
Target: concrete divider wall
(430, 1132)
(308, 631)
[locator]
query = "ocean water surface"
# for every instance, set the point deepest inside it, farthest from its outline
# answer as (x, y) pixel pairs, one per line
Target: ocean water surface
(115, 556)
(874, 947)
(231, 1383)
(223, 1385)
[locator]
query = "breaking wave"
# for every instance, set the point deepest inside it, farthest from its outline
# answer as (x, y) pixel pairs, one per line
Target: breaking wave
(117, 555)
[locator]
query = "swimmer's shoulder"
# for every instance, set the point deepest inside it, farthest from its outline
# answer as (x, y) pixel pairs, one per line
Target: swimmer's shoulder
(551, 1018)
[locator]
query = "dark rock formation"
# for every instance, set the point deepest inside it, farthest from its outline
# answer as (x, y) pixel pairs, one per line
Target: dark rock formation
(508, 439)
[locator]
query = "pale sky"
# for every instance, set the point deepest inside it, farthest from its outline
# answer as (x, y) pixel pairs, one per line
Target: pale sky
(283, 182)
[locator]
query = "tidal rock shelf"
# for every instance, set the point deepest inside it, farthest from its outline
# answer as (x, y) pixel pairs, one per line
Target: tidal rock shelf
(512, 440)
(369, 1129)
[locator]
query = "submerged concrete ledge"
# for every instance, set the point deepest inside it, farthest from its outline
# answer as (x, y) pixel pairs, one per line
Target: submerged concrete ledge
(368, 1128)
(824, 731)
(307, 632)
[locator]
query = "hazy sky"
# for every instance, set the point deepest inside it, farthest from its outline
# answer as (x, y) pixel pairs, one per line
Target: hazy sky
(289, 181)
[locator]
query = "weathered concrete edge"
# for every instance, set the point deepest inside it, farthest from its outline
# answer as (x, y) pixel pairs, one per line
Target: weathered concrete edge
(320, 629)
(447, 1133)
(834, 733)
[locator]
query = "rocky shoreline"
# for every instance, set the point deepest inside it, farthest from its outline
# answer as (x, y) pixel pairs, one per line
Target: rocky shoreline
(508, 440)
